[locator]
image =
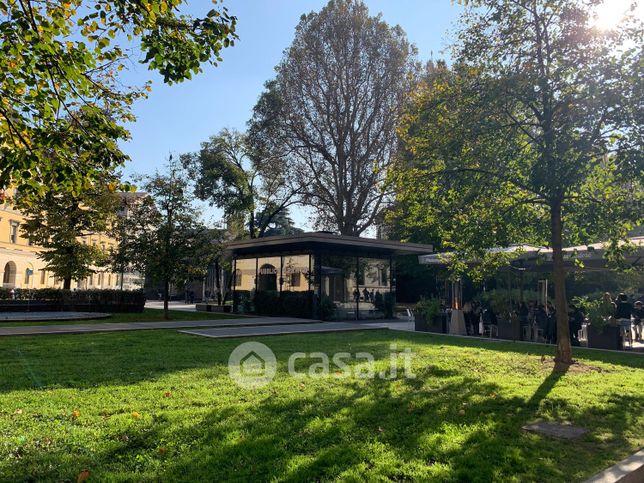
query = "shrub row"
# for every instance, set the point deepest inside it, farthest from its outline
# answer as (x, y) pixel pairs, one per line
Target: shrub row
(53, 299)
(287, 304)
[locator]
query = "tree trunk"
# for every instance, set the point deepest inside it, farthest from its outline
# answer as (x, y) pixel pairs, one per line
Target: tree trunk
(166, 298)
(564, 349)
(67, 283)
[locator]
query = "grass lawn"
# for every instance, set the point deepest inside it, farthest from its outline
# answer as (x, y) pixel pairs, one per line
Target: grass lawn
(148, 315)
(160, 406)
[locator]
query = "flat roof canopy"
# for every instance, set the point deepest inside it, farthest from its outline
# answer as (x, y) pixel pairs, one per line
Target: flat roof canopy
(318, 242)
(539, 259)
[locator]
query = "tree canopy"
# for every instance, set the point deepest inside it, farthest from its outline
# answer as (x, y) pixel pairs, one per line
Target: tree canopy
(534, 136)
(61, 59)
(332, 110)
(251, 186)
(62, 224)
(161, 236)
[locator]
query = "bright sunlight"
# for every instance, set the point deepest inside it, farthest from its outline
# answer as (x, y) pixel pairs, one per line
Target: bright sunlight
(610, 13)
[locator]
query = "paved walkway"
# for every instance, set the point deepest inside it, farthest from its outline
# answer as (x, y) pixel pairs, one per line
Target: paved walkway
(172, 305)
(257, 331)
(40, 316)
(177, 324)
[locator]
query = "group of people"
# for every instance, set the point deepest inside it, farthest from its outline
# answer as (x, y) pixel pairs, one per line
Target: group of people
(620, 312)
(541, 319)
(365, 295)
(476, 315)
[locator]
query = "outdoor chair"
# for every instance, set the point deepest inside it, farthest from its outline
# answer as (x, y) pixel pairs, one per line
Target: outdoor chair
(490, 329)
(627, 334)
(539, 336)
(527, 332)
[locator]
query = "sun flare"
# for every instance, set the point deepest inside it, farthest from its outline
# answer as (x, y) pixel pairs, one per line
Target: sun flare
(610, 13)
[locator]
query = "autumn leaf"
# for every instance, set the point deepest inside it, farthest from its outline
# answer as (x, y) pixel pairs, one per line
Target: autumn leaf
(76, 414)
(136, 415)
(83, 476)
(167, 394)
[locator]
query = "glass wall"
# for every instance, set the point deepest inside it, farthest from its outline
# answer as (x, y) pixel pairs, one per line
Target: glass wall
(374, 286)
(296, 273)
(330, 287)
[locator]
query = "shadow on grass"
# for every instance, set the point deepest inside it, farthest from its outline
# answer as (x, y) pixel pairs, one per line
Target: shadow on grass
(447, 424)
(455, 432)
(629, 359)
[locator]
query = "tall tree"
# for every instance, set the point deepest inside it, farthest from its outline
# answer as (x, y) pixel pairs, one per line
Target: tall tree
(164, 238)
(332, 111)
(60, 57)
(60, 222)
(250, 185)
(534, 138)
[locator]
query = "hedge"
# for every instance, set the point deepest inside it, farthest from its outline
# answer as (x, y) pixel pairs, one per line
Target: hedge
(54, 299)
(286, 303)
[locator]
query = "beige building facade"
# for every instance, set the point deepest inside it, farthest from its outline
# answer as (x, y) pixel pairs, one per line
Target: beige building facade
(21, 267)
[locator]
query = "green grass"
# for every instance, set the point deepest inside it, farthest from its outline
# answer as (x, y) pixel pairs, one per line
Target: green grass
(460, 419)
(148, 315)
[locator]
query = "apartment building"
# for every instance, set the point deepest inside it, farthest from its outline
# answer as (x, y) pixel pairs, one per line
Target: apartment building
(20, 266)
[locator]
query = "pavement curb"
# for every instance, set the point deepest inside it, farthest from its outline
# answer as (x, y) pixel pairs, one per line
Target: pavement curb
(629, 470)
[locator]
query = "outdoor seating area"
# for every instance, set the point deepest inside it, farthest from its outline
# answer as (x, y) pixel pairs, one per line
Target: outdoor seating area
(533, 322)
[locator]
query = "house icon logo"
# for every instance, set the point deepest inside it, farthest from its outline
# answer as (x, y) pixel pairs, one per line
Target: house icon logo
(252, 365)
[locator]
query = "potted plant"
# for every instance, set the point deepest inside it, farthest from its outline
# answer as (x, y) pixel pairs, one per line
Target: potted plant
(427, 315)
(601, 334)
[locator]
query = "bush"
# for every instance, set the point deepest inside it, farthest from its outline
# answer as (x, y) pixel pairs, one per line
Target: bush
(429, 308)
(326, 308)
(267, 302)
(287, 303)
(54, 299)
(297, 304)
(385, 303)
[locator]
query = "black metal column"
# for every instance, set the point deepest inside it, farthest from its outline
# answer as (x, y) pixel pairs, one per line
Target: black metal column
(234, 284)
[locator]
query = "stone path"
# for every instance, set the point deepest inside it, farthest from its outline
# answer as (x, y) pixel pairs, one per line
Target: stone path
(227, 332)
(178, 324)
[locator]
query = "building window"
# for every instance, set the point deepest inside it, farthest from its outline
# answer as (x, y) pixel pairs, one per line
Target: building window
(384, 280)
(43, 277)
(296, 279)
(109, 280)
(100, 279)
(28, 273)
(238, 278)
(13, 232)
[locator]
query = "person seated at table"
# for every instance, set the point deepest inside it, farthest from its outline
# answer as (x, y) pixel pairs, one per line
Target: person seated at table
(623, 312)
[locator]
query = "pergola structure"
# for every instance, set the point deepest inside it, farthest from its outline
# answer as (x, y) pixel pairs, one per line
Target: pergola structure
(539, 259)
(352, 273)
(528, 258)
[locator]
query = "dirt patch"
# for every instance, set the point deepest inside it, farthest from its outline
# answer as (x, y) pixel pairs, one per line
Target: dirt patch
(575, 368)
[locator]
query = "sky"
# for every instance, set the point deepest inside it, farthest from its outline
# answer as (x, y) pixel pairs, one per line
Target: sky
(176, 119)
